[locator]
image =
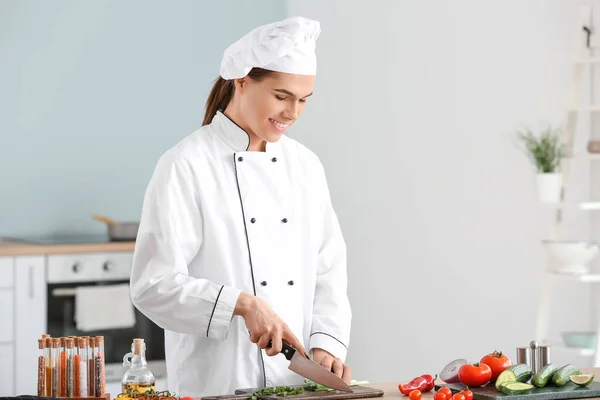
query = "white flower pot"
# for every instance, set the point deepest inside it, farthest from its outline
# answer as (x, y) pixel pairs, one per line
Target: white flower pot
(549, 186)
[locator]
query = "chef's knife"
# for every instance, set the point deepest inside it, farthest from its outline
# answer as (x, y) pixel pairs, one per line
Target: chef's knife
(311, 370)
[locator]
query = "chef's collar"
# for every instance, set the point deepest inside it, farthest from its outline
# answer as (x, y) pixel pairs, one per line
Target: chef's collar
(235, 136)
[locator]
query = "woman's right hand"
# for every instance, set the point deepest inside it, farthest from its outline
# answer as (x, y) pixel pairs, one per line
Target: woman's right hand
(265, 326)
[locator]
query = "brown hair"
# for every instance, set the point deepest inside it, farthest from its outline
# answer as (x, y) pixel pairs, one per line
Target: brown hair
(222, 93)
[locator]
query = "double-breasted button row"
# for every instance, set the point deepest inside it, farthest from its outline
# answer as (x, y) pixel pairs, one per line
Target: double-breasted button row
(284, 220)
(264, 283)
(240, 159)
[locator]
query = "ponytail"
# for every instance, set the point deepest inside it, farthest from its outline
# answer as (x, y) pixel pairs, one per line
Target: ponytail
(218, 99)
(222, 93)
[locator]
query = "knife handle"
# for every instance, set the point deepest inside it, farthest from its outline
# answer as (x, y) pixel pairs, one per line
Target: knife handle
(286, 349)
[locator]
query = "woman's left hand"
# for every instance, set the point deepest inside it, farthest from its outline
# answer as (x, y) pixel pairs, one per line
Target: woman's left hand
(333, 364)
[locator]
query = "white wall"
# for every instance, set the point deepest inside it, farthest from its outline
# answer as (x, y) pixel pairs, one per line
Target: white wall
(93, 92)
(413, 117)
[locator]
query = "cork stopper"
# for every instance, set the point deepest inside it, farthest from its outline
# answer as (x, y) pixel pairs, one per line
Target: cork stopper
(55, 343)
(99, 340)
(138, 346)
(41, 344)
(69, 343)
(48, 343)
(92, 342)
(79, 342)
(62, 342)
(45, 335)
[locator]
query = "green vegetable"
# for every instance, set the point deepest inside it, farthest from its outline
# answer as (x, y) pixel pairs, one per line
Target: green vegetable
(277, 390)
(543, 376)
(563, 374)
(511, 388)
(504, 377)
(523, 372)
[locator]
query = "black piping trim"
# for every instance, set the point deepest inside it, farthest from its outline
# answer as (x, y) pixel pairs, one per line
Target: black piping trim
(333, 337)
(237, 182)
(245, 227)
(235, 123)
(213, 311)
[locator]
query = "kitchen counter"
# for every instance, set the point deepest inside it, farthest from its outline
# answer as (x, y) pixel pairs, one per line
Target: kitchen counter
(390, 389)
(15, 247)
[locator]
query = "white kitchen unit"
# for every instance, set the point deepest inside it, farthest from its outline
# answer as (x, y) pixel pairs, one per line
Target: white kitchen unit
(38, 294)
(7, 326)
(7, 358)
(7, 271)
(30, 319)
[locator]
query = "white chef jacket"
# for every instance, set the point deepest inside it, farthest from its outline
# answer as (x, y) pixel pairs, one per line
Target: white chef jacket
(217, 220)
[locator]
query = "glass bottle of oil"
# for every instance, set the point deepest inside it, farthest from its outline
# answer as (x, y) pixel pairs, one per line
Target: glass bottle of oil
(138, 378)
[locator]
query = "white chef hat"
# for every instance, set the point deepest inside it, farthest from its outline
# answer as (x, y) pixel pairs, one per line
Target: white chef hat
(283, 46)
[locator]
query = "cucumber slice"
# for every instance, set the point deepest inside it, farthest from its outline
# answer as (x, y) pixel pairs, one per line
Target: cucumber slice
(543, 376)
(512, 388)
(522, 371)
(582, 380)
(504, 377)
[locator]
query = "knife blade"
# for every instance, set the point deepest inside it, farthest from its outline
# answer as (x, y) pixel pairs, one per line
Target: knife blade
(311, 370)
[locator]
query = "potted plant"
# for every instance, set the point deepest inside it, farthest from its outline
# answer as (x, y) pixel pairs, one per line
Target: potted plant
(545, 151)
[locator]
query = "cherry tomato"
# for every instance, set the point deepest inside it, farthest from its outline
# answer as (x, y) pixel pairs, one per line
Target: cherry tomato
(498, 362)
(467, 393)
(446, 390)
(415, 394)
(458, 396)
(440, 396)
(474, 374)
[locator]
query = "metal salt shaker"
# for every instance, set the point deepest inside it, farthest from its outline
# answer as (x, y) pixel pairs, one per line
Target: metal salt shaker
(534, 356)
(524, 355)
(543, 355)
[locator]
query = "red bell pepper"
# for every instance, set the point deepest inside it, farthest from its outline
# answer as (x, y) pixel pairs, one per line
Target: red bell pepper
(419, 383)
(424, 383)
(430, 382)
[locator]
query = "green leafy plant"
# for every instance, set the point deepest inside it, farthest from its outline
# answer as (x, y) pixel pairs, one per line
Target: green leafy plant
(545, 150)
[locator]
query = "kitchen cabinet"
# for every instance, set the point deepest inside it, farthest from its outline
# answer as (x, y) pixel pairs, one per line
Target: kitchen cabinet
(24, 283)
(6, 272)
(7, 325)
(30, 319)
(7, 352)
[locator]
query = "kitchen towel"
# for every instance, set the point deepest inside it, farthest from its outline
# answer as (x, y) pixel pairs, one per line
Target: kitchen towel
(103, 307)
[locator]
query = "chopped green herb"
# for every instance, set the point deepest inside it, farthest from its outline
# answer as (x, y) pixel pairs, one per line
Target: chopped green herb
(277, 390)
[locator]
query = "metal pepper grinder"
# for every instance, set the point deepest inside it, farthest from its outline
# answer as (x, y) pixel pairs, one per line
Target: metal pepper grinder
(534, 356)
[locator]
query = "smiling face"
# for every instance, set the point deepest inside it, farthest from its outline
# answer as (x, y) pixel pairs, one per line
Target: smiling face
(270, 105)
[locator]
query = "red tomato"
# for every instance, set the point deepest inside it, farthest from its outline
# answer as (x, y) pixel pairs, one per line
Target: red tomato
(415, 394)
(467, 393)
(458, 396)
(498, 362)
(440, 396)
(446, 390)
(474, 374)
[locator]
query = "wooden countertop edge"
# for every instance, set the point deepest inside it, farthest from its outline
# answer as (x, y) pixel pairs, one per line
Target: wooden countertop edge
(22, 249)
(390, 389)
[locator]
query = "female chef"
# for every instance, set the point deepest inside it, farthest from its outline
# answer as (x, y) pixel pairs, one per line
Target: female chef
(238, 244)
